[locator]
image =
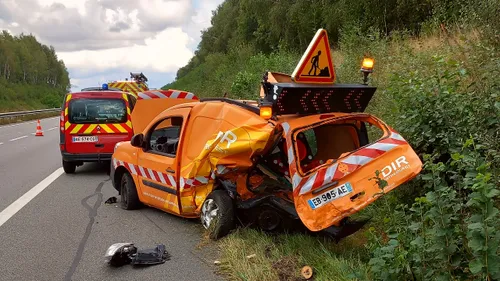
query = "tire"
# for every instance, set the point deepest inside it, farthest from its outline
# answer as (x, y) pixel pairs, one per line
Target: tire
(128, 192)
(220, 223)
(69, 167)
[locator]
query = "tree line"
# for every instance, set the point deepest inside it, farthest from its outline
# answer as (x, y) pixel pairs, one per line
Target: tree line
(269, 25)
(31, 75)
(24, 60)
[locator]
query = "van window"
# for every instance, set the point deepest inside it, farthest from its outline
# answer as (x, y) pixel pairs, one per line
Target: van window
(164, 137)
(83, 111)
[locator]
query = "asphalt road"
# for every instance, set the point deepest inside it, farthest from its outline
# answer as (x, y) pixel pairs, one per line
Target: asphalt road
(64, 231)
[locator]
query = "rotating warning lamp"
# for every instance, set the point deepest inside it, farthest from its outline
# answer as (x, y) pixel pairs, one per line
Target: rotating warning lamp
(367, 68)
(266, 110)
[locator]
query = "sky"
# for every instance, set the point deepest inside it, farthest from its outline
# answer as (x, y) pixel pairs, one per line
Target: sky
(104, 40)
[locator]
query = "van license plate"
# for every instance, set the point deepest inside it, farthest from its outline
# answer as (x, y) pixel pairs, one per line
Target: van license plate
(330, 195)
(85, 139)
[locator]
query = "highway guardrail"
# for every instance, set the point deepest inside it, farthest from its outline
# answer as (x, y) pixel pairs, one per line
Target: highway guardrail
(28, 112)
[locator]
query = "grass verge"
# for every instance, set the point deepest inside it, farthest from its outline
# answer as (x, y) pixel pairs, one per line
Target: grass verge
(282, 256)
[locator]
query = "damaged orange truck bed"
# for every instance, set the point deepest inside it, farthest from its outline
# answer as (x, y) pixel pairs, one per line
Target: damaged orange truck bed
(304, 152)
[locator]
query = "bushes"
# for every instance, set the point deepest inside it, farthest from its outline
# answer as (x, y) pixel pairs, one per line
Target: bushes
(22, 96)
(444, 225)
(237, 73)
(451, 233)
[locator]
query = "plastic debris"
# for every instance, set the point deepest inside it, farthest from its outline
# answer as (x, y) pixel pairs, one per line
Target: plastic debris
(120, 254)
(216, 262)
(152, 256)
(251, 256)
(111, 200)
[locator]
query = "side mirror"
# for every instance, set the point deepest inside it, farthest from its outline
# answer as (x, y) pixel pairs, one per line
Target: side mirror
(137, 140)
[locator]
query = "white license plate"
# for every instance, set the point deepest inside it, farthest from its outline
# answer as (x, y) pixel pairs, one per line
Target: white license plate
(328, 196)
(85, 139)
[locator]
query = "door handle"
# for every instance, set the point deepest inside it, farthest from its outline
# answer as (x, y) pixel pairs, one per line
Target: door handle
(170, 170)
(99, 145)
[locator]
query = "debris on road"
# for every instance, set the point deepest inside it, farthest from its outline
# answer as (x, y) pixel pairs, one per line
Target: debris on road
(120, 254)
(111, 200)
(153, 256)
(216, 262)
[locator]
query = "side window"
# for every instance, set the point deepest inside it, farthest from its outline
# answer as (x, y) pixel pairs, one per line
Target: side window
(164, 137)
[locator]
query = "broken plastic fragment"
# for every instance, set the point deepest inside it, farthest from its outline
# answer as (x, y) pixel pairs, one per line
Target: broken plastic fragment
(120, 254)
(111, 200)
(251, 256)
(153, 256)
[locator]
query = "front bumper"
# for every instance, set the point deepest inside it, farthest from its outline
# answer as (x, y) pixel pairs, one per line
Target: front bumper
(87, 157)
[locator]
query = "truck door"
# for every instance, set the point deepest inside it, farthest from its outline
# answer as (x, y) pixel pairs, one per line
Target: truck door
(159, 162)
(96, 123)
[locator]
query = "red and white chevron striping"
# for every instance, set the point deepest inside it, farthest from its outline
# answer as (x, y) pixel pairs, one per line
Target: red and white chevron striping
(163, 94)
(351, 163)
(166, 179)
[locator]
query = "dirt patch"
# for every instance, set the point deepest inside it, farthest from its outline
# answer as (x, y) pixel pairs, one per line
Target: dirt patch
(287, 269)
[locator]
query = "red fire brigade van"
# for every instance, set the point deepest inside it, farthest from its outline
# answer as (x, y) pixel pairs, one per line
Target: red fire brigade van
(92, 122)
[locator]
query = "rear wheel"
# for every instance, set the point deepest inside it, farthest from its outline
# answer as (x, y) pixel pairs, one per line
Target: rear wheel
(129, 198)
(217, 214)
(69, 167)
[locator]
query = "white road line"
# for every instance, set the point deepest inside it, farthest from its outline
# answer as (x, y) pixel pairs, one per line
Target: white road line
(13, 208)
(52, 129)
(18, 138)
(8, 126)
(29, 122)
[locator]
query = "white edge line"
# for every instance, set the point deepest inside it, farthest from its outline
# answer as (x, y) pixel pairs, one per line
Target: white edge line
(27, 122)
(18, 138)
(17, 205)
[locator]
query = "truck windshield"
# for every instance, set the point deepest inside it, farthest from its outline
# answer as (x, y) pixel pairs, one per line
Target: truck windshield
(83, 111)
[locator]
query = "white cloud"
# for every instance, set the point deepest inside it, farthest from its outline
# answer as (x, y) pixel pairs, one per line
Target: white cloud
(113, 36)
(158, 54)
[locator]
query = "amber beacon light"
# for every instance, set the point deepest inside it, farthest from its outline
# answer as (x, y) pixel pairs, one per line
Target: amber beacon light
(266, 112)
(367, 68)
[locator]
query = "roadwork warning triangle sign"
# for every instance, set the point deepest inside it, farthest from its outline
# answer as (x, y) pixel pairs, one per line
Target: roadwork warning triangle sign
(316, 64)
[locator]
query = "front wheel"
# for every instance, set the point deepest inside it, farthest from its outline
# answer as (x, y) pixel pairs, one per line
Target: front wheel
(128, 193)
(217, 214)
(69, 167)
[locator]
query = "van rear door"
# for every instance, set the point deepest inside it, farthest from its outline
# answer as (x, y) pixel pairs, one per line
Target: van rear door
(95, 122)
(334, 169)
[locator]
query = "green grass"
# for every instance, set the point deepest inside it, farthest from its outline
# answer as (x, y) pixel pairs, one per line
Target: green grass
(20, 97)
(281, 256)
